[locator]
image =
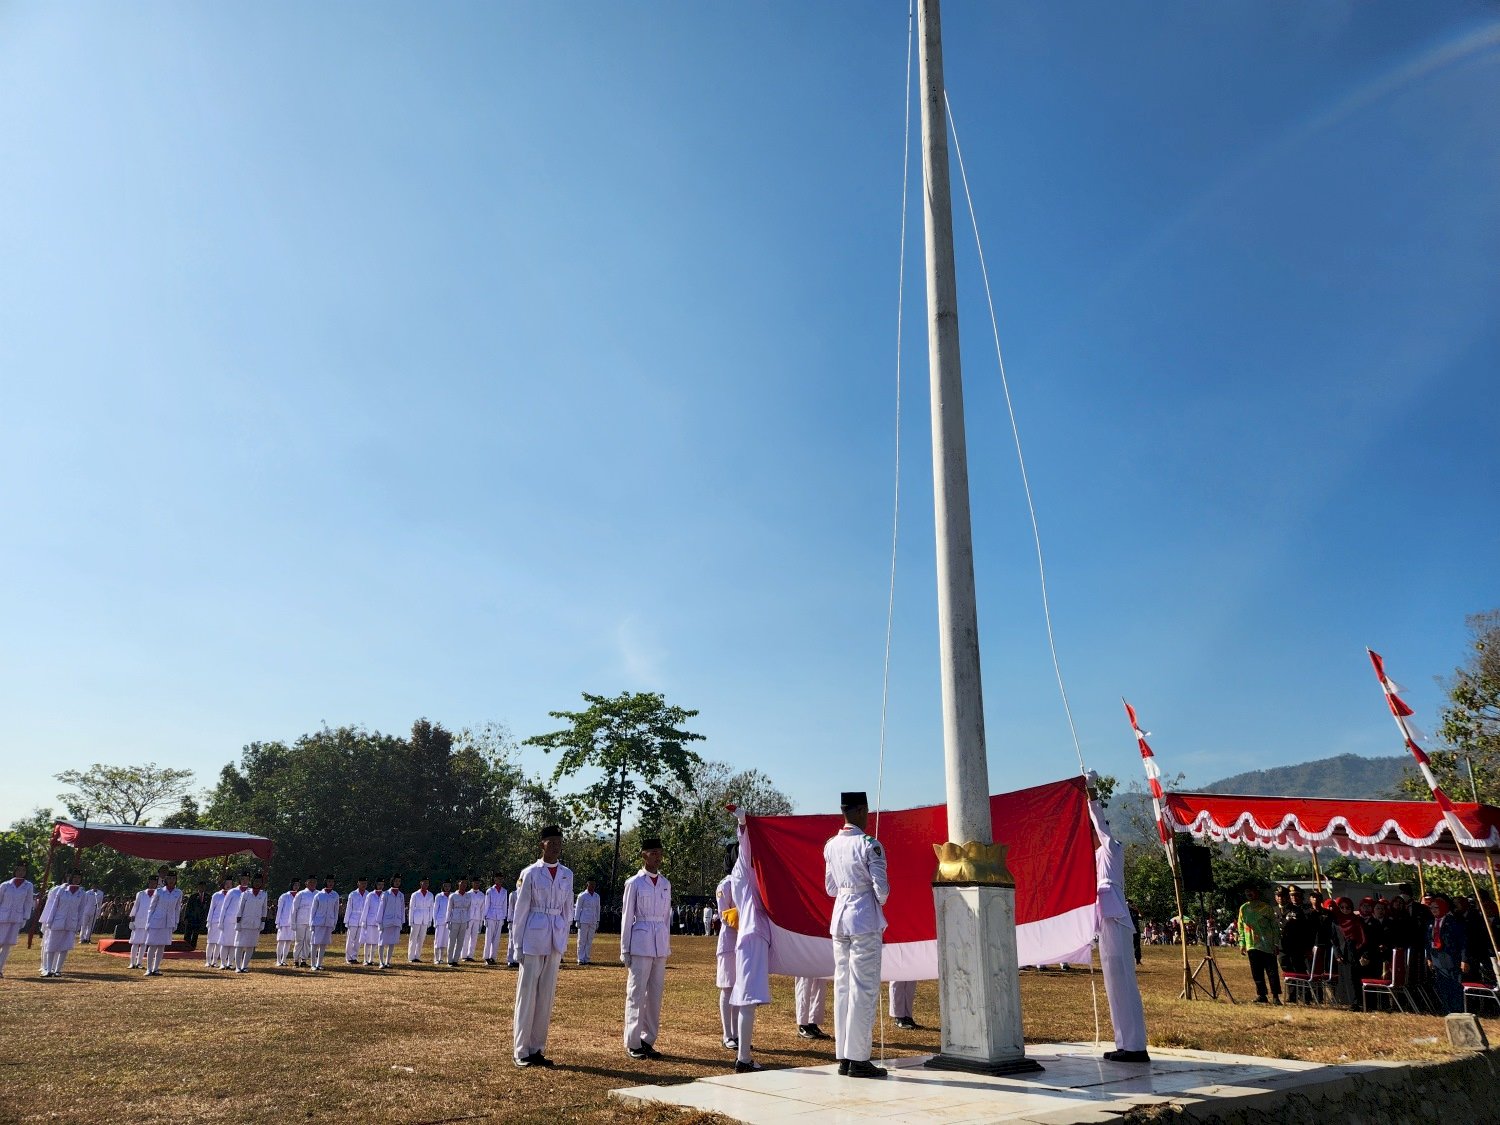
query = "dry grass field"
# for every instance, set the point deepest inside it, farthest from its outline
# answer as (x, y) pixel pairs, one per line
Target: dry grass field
(420, 1043)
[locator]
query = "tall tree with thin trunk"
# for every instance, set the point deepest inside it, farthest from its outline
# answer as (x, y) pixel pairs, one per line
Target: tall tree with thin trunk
(637, 742)
(123, 794)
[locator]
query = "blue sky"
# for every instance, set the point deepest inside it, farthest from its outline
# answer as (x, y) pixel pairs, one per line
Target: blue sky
(367, 362)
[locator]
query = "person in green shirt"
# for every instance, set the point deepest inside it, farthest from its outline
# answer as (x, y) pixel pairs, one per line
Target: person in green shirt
(1259, 940)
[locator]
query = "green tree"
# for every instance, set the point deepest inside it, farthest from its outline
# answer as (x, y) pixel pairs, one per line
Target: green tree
(348, 802)
(697, 829)
(637, 742)
(122, 794)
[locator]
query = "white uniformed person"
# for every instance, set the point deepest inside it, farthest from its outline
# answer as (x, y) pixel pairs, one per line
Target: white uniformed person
(421, 909)
(477, 902)
(302, 908)
(854, 875)
(752, 951)
(247, 910)
(645, 945)
(163, 922)
(586, 916)
(354, 920)
(369, 923)
(286, 930)
(142, 908)
(542, 914)
(1116, 947)
(496, 911)
(17, 900)
(321, 922)
(392, 914)
(219, 946)
(724, 955)
(59, 922)
(440, 923)
(458, 922)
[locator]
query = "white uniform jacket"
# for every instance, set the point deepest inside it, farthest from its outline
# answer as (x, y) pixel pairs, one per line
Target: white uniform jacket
(854, 874)
(421, 910)
(247, 912)
(143, 916)
(496, 907)
(543, 909)
(63, 910)
(476, 905)
(458, 909)
(17, 900)
(586, 908)
(323, 915)
(1109, 867)
(393, 910)
(439, 908)
(302, 906)
(284, 931)
(646, 916)
(374, 910)
(724, 897)
(164, 925)
(354, 909)
(215, 921)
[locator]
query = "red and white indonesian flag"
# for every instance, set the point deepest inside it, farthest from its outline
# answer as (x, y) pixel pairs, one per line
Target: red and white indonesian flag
(1051, 856)
(1412, 735)
(1153, 779)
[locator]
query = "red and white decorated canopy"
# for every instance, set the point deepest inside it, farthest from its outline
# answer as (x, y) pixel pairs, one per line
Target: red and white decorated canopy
(175, 844)
(1397, 831)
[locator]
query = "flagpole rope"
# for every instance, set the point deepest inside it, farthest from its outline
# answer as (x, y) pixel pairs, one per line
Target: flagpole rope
(1036, 534)
(890, 603)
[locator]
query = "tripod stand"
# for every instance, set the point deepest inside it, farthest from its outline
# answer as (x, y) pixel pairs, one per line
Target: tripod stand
(1214, 976)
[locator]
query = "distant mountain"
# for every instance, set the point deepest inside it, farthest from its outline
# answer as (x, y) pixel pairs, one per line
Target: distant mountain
(1348, 775)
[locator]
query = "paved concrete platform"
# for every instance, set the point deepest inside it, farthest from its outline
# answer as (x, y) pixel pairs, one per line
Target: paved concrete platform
(1076, 1086)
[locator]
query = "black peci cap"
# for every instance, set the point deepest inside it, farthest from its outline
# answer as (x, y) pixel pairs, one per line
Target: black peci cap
(849, 800)
(651, 843)
(550, 831)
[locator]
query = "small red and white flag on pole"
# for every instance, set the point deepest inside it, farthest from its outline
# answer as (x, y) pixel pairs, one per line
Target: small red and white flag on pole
(1412, 736)
(1153, 781)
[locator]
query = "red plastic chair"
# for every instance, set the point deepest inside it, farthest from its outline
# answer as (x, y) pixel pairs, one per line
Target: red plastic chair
(1392, 986)
(1483, 990)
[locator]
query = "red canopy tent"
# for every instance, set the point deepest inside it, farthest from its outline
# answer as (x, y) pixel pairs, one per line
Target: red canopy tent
(1396, 831)
(175, 844)
(170, 844)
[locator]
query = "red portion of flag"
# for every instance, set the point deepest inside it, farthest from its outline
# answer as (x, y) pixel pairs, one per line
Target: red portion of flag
(1046, 829)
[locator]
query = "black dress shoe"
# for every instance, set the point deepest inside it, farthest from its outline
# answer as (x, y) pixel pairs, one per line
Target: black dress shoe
(746, 1067)
(906, 1023)
(810, 1031)
(638, 1052)
(529, 1060)
(844, 1067)
(540, 1059)
(862, 1068)
(1127, 1056)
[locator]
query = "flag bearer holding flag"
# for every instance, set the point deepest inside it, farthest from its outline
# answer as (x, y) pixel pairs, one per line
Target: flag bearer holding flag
(1116, 948)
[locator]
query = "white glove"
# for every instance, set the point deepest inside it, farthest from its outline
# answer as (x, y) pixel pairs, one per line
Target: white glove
(624, 958)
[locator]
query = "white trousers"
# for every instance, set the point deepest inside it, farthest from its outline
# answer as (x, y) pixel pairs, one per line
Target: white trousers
(302, 946)
(417, 940)
(812, 1000)
(744, 1017)
(903, 998)
(512, 949)
(471, 936)
(856, 992)
(727, 1012)
(1117, 956)
(283, 950)
(643, 986)
(492, 940)
(535, 991)
(456, 934)
(586, 932)
(153, 957)
(440, 942)
(53, 962)
(351, 943)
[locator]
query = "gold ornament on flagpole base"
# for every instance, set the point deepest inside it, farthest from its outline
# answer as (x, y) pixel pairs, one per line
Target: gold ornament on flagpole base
(972, 864)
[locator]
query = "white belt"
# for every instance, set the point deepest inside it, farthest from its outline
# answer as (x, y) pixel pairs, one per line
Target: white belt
(553, 910)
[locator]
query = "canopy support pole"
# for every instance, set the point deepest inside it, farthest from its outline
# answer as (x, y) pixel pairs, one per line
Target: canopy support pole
(1421, 880)
(1317, 873)
(41, 899)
